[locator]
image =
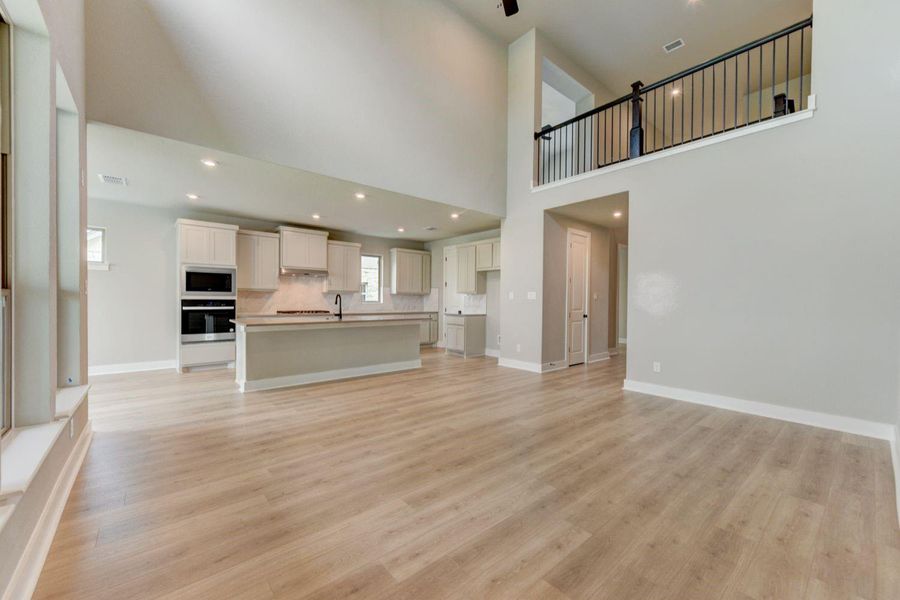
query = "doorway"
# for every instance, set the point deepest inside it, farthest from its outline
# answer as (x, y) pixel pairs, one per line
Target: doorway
(622, 295)
(578, 260)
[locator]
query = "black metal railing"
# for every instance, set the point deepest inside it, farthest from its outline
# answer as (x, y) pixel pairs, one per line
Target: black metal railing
(759, 81)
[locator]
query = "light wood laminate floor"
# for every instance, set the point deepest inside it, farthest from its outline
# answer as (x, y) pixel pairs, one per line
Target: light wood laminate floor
(465, 480)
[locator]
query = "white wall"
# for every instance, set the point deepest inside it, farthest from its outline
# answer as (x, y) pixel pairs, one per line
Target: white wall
(748, 257)
(403, 95)
(132, 307)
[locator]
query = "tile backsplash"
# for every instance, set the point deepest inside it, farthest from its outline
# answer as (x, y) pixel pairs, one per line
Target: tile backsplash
(304, 292)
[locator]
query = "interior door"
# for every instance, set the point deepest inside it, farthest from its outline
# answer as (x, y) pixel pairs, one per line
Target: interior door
(451, 300)
(576, 296)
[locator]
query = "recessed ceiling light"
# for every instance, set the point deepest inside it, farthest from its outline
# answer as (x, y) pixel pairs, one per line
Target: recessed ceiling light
(209, 162)
(617, 214)
(400, 229)
(317, 216)
(454, 215)
(192, 196)
(360, 196)
(676, 91)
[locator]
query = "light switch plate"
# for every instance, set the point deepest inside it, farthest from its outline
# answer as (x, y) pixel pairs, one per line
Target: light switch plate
(532, 295)
(511, 296)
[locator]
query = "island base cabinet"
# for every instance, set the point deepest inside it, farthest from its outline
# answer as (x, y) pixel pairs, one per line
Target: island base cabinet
(206, 353)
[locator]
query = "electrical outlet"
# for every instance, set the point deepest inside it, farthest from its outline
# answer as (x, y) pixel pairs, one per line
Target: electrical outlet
(511, 296)
(657, 366)
(518, 347)
(532, 295)
(71, 429)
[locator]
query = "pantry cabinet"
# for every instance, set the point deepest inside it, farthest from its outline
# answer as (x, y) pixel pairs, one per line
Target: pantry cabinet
(468, 278)
(343, 267)
(410, 271)
(257, 261)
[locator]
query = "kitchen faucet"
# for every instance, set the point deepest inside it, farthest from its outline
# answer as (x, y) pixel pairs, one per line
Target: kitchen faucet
(340, 303)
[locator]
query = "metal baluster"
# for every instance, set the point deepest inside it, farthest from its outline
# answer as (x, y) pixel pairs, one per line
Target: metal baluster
(736, 73)
(747, 95)
(713, 100)
(703, 105)
(787, 72)
(773, 77)
(759, 87)
(802, 40)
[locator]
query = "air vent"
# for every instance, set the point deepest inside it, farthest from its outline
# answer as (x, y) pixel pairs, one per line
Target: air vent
(673, 46)
(113, 179)
(431, 228)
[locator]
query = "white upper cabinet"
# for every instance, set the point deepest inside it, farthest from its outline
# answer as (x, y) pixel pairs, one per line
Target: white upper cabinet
(304, 249)
(257, 261)
(468, 279)
(343, 267)
(410, 271)
(210, 244)
(487, 255)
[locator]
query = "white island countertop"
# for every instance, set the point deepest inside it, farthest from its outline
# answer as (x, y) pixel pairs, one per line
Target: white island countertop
(327, 321)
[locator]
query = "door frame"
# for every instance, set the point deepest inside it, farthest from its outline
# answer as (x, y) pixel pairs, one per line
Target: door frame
(587, 296)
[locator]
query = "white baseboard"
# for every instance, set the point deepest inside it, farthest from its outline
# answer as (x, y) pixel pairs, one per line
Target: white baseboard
(873, 429)
(895, 459)
(156, 365)
(598, 357)
(295, 380)
(26, 575)
(492, 352)
(613, 352)
(521, 365)
(549, 367)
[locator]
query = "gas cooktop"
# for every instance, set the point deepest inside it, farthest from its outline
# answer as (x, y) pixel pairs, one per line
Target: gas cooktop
(304, 312)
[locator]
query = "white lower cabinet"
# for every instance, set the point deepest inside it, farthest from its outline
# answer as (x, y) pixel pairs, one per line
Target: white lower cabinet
(206, 353)
(465, 334)
(428, 331)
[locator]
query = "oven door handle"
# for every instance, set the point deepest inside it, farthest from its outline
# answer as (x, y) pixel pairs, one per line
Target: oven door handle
(207, 308)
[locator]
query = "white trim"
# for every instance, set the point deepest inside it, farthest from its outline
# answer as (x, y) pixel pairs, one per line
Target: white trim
(492, 352)
(570, 231)
(68, 399)
(348, 373)
(521, 365)
(98, 266)
(623, 341)
(696, 145)
(549, 367)
(600, 356)
(25, 577)
(874, 429)
(613, 352)
(156, 365)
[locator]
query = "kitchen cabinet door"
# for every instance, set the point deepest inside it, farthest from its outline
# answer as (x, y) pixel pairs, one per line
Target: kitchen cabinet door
(495, 254)
(267, 263)
(195, 244)
(247, 246)
(318, 252)
(294, 250)
(484, 258)
(343, 267)
(223, 244)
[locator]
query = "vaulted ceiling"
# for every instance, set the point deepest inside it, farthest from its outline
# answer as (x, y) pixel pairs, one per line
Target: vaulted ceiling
(620, 41)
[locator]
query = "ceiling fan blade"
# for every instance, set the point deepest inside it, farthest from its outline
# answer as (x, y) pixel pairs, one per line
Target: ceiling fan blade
(510, 7)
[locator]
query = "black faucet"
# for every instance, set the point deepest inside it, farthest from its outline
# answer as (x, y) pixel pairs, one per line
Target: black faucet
(340, 302)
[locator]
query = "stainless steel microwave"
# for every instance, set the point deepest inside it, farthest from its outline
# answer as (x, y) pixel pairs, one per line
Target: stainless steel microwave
(208, 282)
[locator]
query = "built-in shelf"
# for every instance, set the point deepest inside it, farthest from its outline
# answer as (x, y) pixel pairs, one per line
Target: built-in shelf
(68, 399)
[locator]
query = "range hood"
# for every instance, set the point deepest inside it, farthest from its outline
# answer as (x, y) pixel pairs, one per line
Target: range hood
(303, 272)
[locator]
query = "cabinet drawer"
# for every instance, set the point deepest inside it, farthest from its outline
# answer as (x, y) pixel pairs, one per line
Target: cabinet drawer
(207, 354)
(454, 320)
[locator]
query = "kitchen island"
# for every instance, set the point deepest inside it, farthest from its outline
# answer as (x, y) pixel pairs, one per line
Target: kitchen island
(275, 352)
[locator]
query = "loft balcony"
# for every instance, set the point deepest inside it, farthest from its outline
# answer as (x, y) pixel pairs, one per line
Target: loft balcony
(760, 81)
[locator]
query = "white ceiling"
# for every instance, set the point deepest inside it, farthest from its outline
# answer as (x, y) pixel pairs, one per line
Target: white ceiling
(620, 41)
(598, 211)
(162, 171)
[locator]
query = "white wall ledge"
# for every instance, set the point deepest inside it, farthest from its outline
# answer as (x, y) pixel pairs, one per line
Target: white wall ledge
(68, 399)
(24, 451)
(686, 147)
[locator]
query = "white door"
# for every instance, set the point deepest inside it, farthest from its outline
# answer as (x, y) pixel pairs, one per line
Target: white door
(576, 295)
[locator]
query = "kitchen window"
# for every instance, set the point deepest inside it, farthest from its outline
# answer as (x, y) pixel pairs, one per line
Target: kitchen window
(96, 248)
(371, 277)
